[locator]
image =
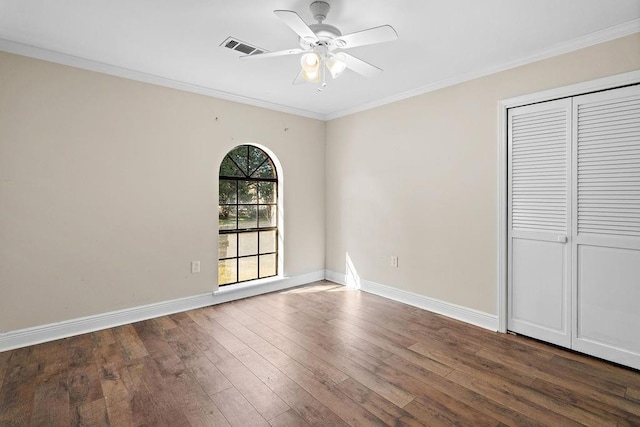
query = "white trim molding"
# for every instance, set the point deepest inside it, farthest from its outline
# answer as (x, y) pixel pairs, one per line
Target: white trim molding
(53, 331)
(334, 277)
(587, 40)
(584, 41)
(605, 83)
(113, 70)
(454, 311)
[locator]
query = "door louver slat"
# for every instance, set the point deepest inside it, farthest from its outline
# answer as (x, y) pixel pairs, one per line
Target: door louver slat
(608, 163)
(539, 170)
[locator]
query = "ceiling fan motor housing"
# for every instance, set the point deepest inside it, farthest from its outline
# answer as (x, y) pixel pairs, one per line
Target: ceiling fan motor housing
(326, 34)
(320, 9)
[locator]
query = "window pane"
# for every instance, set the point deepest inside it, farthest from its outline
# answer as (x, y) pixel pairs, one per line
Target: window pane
(227, 217)
(267, 241)
(267, 170)
(247, 217)
(267, 265)
(267, 192)
(248, 268)
(228, 168)
(248, 243)
(267, 216)
(256, 157)
(227, 245)
(227, 272)
(239, 155)
(245, 205)
(247, 192)
(227, 192)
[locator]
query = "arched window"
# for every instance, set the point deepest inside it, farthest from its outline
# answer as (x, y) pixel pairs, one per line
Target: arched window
(247, 216)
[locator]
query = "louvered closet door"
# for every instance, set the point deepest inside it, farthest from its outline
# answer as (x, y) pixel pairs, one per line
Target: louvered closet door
(606, 279)
(539, 221)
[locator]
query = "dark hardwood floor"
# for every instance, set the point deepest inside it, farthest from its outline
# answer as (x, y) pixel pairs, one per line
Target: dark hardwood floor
(316, 355)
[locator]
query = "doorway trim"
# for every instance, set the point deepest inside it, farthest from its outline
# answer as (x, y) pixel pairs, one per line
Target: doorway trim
(611, 82)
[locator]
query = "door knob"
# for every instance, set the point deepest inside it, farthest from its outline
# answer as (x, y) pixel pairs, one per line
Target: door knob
(562, 238)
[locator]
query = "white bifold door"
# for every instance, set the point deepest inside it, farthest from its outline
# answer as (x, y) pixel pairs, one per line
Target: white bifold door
(574, 223)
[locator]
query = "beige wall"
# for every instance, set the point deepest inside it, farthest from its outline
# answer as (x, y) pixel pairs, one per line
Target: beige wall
(108, 189)
(108, 186)
(418, 179)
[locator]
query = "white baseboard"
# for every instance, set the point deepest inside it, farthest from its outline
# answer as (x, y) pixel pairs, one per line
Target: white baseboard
(53, 331)
(332, 276)
(458, 312)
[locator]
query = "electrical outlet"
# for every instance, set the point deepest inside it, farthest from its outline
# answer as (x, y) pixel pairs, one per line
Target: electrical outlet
(394, 261)
(195, 266)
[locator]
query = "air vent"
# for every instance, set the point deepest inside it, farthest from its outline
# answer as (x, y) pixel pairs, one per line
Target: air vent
(242, 47)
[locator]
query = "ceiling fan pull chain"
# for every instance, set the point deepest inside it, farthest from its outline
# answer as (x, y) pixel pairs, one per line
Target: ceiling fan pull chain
(323, 75)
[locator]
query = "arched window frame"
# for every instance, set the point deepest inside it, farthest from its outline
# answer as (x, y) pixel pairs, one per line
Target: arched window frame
(274, 224)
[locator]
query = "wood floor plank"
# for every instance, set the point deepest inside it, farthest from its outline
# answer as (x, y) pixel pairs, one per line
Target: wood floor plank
(2, 374)
(386, 411)
(360, 335)
(343, 364)
(237, 410)
(51, 403)
(268, 404)
(438, 403)
(616, 380)
(131, 345)
(118, 391)
(316, 355)
(288, 419)
(366, 341)
(286, 324)
(257, 343)
(463, 394)
(189, 335)
(559, 377)
(84, 385)
(352, 413)
(152, 337)
(595, 409)
(208, 376)
(361, 374)
(307, 406)
(103, 338)
(472, 363)
(196, 404)
(319, 367)
(162, 396)
(217, 332)
(92, 414)
(497, 391)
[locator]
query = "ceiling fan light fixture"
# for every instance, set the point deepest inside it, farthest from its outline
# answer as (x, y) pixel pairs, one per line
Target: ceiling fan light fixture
(310, 62)
(336, 65)
(311, 76)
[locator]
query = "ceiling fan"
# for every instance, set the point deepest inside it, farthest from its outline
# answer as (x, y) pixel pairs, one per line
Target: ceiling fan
(321, 45)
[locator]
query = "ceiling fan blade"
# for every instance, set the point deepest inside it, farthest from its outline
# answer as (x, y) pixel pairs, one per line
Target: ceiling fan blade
(385, 33)
(299, 79)
(360, 66)
(296, 23)
(272, 54)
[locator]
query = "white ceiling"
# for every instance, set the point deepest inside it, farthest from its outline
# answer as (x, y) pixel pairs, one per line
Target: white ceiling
(178, 41)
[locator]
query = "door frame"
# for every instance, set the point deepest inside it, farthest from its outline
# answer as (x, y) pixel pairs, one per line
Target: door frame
(611, 82)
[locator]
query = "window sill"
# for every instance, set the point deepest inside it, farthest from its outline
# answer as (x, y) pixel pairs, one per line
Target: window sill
(259, 283)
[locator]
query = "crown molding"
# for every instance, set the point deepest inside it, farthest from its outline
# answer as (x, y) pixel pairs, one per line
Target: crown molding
(591, 39)
(101, 67)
